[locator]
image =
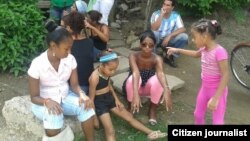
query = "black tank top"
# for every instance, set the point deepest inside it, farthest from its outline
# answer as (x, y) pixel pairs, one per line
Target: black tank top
(98, 43)
(82, 50)
(103, 83)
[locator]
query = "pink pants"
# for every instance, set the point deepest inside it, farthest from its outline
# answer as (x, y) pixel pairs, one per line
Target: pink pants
(205, 93)
(152, 88)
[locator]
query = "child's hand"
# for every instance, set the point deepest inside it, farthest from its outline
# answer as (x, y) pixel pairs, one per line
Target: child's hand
(119, 105)
(171, 50)
(213, 103)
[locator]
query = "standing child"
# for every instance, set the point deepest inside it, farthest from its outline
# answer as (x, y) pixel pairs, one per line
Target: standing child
(214, 70)
(106, 100)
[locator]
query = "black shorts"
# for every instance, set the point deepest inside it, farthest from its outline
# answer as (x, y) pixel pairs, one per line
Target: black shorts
(103, 103)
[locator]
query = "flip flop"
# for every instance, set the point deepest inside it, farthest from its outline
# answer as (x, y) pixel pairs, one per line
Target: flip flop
(152, 121)
(156, 135)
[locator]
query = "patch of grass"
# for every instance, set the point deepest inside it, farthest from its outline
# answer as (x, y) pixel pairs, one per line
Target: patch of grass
(125, 132)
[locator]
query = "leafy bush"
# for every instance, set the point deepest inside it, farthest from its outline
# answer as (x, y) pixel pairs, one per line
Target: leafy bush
(21, 34)
(207, 7)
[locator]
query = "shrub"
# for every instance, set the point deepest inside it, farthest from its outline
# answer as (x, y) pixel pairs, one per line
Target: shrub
(21, 34)
(207, 7)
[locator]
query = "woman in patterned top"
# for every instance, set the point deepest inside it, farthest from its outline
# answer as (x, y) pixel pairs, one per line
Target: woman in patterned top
(147, 78)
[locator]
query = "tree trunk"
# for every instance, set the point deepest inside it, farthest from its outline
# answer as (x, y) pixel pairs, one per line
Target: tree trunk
(147, 12)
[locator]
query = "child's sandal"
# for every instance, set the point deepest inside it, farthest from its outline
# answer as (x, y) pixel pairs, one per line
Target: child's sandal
(156, 135)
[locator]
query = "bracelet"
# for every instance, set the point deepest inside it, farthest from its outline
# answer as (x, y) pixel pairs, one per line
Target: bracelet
(81, 92)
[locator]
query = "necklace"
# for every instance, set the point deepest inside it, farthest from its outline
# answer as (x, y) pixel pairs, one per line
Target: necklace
(101, 75)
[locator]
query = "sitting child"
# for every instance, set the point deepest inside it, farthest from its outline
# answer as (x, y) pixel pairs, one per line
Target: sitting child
(106, 100)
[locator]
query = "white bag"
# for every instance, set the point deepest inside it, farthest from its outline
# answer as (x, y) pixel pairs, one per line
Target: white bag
(65, 135)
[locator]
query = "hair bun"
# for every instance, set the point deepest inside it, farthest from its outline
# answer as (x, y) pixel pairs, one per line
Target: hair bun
(50, 25)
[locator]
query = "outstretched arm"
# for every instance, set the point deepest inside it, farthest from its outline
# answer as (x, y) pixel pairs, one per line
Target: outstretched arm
(191, 53)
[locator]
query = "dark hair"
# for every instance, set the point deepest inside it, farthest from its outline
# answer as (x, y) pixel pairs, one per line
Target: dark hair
(56, 33)
(95, 16)
(75, 21)
(147, 33)
(210, 26)
(173, 2)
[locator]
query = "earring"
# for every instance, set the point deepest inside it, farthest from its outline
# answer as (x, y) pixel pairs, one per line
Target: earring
(53, 54)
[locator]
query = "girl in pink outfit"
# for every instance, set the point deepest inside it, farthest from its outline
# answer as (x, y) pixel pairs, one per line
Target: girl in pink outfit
(147, 78)
(214, 70)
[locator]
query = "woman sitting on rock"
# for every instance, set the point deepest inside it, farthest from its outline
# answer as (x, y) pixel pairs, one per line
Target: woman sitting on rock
(146, 78)
(49, 75)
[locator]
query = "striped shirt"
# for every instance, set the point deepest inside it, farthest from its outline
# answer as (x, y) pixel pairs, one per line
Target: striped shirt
(168, 25)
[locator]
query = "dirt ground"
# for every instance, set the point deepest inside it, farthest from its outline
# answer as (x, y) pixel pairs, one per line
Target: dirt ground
(188, 70)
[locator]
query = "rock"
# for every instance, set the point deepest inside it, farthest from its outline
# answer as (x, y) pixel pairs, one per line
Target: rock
(123, 7)
(174, 82)
(18, 116)
(123, 51)
(115, 35)
(135, 45)
(115, 25)
(123, 65)
(131, 38)
(136, 9)
(116, 43)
